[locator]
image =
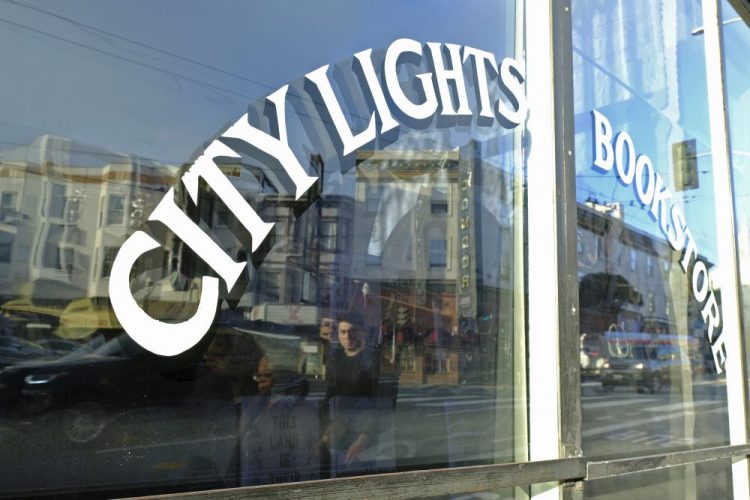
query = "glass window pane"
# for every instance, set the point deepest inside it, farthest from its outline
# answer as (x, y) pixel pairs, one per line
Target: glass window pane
(368, 292)
(115, 209)
(736, 38)
(438, 253)
(650, 310)
(6, 246)
(56, 201)
(702, 480)
(8, 205)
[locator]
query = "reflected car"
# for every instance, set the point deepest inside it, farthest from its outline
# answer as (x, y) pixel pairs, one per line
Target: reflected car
(83, 387)
(591, 355)
(647, 367)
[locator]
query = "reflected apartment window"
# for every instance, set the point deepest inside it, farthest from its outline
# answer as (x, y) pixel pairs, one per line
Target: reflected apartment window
(597, 247)
(293, 286)
(372, 198)
(649, 265)
(6, 246)
(8, 207)
(67, 259)
(438, 253)
(308, 287)
(56, 201)
(269, 289)
(328, 234)
(109, 258)
(633, 260)
(115, 209)
(72, 209)
(439, 201)
(51, 254)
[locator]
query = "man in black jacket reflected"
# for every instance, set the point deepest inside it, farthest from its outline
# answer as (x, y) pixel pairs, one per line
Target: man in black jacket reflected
(349, 404)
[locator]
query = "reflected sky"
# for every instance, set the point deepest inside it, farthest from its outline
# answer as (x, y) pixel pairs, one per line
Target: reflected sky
(157, 80)
(641, 65)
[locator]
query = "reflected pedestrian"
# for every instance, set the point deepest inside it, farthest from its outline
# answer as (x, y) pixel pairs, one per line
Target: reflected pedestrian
(225, 381)
(279, 435)
(349, 401)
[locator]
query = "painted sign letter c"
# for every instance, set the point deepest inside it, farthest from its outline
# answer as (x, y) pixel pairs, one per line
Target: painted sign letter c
(165, 339)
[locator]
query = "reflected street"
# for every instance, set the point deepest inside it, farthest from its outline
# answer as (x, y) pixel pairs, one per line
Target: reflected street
(435, 425)
(624, 422)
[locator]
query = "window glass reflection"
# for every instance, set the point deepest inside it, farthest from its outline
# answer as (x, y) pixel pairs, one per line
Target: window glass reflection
(375, 329)
(649, 378)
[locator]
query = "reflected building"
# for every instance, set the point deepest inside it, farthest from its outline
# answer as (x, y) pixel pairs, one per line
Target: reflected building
(629, 281)
(301, 271)
(310, 258)
(421, 248)
(432, 259)
(66, 209)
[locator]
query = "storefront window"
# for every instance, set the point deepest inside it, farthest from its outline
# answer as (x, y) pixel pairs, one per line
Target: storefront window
(651, 347)
(373, 321)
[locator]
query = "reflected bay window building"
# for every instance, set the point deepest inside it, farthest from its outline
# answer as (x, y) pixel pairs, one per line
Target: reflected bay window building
(422, 253)
(69, 207)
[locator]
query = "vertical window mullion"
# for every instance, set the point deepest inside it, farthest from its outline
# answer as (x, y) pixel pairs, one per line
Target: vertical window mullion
(726, 234)
(543, 326)
(567, 229)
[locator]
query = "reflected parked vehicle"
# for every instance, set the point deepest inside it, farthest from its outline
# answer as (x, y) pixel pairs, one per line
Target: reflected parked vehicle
(110, 375)
(647, 367)
(591, 356)
(80, 389)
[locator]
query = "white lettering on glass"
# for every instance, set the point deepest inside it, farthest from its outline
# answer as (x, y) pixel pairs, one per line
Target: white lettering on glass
(413, 110)
(511, 83)
(350, 141)
(170, 339)
(651, 191)
(443, 76)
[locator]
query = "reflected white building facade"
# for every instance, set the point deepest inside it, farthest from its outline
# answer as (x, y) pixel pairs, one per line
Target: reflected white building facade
(69, 207)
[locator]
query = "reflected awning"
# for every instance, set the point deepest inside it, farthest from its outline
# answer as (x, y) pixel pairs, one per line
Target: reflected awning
(84, 316)
(26, 305)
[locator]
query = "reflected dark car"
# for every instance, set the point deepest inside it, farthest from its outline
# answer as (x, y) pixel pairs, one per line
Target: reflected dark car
(85, 385)
(647, 367)
(82, 390)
